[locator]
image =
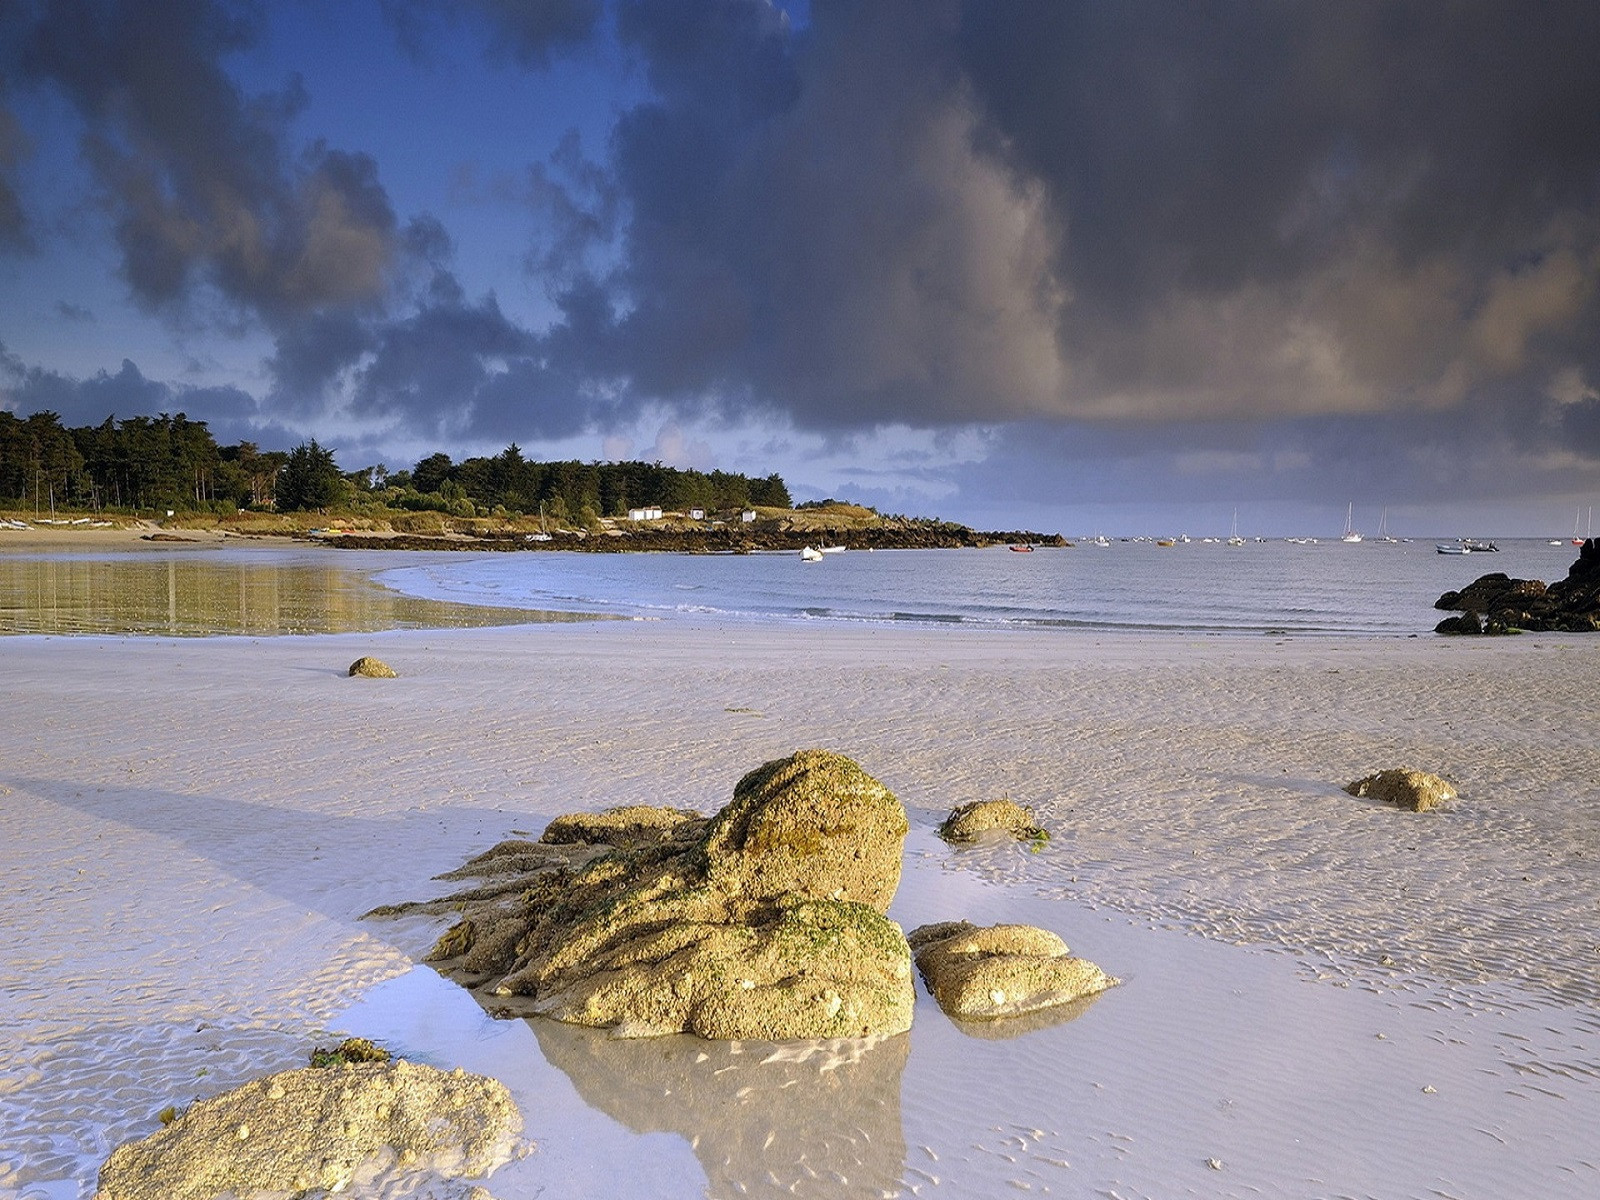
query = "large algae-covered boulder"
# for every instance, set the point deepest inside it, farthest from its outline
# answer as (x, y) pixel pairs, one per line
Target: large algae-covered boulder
(814, 824)
(1416, 791)
(803, 969)
(969, 822)
(371, 668)
(1002, 970)
(354, 1128)
(768, 924)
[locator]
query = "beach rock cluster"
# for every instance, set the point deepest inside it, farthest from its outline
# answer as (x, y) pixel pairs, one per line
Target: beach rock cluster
(1001, 971)
(1498, 604)
(1415, 791)
(766, 921)
(969, 822)
(355, 1128)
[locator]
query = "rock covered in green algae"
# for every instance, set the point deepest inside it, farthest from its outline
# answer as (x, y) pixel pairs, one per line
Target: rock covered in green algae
(372, 668)
(769, 924)
(627, 826)
(347, 1128)
(968, 822)
(814, 824)
(1404, 787)
(1002, 970)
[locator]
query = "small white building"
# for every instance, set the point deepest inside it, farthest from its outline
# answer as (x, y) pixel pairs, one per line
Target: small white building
(748, 516)
(651, 513)
(697, 514)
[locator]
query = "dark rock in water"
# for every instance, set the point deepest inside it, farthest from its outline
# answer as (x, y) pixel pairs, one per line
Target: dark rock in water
(1001, 971)
(967, 822)
(1508, 605)
(768, 922)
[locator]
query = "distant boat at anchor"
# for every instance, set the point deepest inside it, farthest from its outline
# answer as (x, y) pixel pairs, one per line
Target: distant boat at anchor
(1349, 534)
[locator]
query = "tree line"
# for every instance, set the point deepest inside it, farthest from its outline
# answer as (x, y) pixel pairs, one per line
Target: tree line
(172, 462)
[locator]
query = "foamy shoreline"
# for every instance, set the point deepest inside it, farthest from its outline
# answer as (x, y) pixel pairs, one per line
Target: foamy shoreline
(193, 828)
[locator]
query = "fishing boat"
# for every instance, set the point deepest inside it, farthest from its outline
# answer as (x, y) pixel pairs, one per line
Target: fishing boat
(1022, 549)
(1453, 548)
(1349, 534)
(810, 554)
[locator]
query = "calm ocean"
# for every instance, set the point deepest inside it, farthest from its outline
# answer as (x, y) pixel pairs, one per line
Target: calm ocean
(1204, 587)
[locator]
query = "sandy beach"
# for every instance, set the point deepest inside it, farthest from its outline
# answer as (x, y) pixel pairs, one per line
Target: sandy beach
(1321, 996)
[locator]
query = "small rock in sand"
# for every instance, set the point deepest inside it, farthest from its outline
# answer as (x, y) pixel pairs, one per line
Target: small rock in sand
(966, 822)
(1000, 971)
(372, 668)
(1404, 787)
(352, 1128)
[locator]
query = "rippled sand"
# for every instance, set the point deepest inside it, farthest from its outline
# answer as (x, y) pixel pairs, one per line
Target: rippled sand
(1321, 995)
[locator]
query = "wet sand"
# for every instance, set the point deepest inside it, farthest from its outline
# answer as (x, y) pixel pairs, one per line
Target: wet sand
(1322, 996)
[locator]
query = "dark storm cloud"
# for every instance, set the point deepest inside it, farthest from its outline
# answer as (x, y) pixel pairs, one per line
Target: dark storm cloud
(938, 213)
(1317, 207)
(125, 393)
(458, 369)
(13, 145)
(198, 178)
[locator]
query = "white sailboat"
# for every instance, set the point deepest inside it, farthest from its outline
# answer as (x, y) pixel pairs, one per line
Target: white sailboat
(1383, 528)
(1349, 534)
(1233, 538)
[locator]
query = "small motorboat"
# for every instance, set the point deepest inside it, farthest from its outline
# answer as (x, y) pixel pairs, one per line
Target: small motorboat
(810, 554)
(1022, 549)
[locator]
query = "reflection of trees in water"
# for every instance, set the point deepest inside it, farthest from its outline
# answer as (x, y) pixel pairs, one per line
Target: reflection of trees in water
(175, 595)
(764, 1118)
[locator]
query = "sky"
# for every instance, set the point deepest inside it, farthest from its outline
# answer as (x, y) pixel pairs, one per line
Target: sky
(1050, 264)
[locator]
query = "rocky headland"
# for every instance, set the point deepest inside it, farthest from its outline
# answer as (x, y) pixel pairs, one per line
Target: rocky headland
(729, 539)
(1498, 604)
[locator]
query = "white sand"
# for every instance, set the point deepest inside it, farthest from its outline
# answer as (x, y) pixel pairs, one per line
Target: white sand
(191, 830)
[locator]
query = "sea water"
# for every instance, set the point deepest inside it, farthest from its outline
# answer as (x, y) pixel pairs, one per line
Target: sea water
(1196, 587)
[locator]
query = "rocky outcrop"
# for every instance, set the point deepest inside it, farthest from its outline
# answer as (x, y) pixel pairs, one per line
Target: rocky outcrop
(353, 1128)
(372, 668)
(968, 822)
(766, 922)
(1497, 603)
(1002, 970)
(629, 826)
(1416, 791)
(910, 535)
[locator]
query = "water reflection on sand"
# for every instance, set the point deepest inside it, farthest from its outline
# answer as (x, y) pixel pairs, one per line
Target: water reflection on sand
(196, 594)
(764, 1119)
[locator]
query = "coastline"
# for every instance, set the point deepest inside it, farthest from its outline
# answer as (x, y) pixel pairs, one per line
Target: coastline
(188, 870)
